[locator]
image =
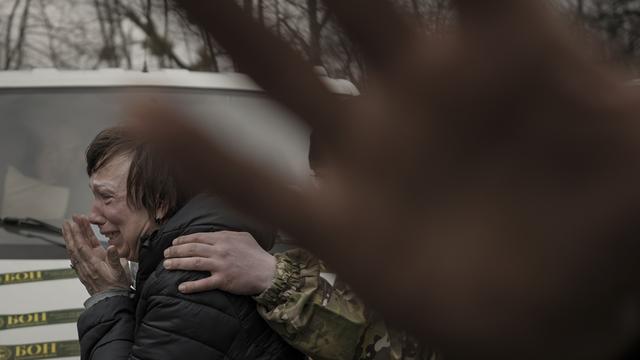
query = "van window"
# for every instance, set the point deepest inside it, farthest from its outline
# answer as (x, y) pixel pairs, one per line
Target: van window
(44, 134)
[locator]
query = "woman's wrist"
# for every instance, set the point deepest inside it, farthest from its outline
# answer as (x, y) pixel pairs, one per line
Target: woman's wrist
(103, 295)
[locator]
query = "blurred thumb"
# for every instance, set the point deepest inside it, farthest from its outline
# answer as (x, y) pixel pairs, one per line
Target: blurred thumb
(113, 258)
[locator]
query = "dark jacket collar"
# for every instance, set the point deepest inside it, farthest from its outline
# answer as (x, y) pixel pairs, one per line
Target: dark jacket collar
(203, 213)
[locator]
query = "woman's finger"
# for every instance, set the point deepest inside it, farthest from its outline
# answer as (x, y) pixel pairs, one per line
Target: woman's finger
(70, 244)
(79, 232)
(68, 236)
(84, 273)
(84, 254)
(87, 231)
(83, 250)
(113, 258)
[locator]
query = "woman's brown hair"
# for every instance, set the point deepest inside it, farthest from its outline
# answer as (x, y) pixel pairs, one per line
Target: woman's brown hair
(150, 184)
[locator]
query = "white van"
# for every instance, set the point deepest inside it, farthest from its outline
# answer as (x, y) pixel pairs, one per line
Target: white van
(47, 119)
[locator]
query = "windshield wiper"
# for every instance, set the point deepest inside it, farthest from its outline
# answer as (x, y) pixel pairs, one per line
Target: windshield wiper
(30, 224)
(17, 225)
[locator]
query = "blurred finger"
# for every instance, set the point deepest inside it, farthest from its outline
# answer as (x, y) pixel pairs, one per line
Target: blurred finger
(198, 161)
(280, 71)
(522, 31)
(191, 264)
(479, 11)
(210, 283)
(377, 28)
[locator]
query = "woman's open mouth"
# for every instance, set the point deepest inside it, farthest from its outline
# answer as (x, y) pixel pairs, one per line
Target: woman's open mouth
(111, 236)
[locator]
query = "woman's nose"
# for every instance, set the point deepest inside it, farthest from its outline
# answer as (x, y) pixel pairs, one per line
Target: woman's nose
(96, 218)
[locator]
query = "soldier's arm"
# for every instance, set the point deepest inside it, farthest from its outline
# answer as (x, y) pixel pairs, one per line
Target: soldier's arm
(297, 296)
(309, 310)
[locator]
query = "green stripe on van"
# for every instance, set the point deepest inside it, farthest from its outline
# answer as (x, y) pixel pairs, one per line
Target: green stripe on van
(40, 318)
(43, 350)
(35, 276)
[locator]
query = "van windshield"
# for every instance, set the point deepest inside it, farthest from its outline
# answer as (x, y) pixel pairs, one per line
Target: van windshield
(45, 132)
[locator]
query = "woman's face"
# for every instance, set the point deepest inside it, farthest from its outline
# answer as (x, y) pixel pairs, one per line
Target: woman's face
(120, 223)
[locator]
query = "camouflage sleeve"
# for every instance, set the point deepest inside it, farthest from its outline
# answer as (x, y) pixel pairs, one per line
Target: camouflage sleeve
(310, 310)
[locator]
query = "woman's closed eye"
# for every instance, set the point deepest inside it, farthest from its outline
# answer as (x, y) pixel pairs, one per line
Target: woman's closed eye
(106, 197)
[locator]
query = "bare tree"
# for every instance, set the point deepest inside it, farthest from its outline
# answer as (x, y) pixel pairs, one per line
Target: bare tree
(19, 47)
(617, 22)
(158, 45)
(115, 33)
(8, 32)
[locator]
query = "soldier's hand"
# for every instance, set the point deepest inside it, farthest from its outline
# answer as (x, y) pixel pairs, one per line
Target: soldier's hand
(485, 185)
(235, 260)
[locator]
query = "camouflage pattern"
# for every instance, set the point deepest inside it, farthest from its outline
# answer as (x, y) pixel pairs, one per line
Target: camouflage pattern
(319, 315)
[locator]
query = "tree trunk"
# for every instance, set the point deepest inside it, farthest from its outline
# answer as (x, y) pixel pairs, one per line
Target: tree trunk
(165, 32)
(22, 34)
(7, 41)
(149, 28)
(580, 7)
(124, 40)
(107, 30)
(211, 51)
(278, 20)
(112, 27)
(53, 53)
(315, 29)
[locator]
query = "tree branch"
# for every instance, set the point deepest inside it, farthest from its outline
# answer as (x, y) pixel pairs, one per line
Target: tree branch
(150, 30)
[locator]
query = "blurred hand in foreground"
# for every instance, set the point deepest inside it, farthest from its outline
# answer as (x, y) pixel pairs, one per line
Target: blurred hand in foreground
(235, 260)
(98, 269)
(484, 189)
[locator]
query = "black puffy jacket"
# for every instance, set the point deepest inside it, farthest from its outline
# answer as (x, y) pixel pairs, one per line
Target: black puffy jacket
(161, 323)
